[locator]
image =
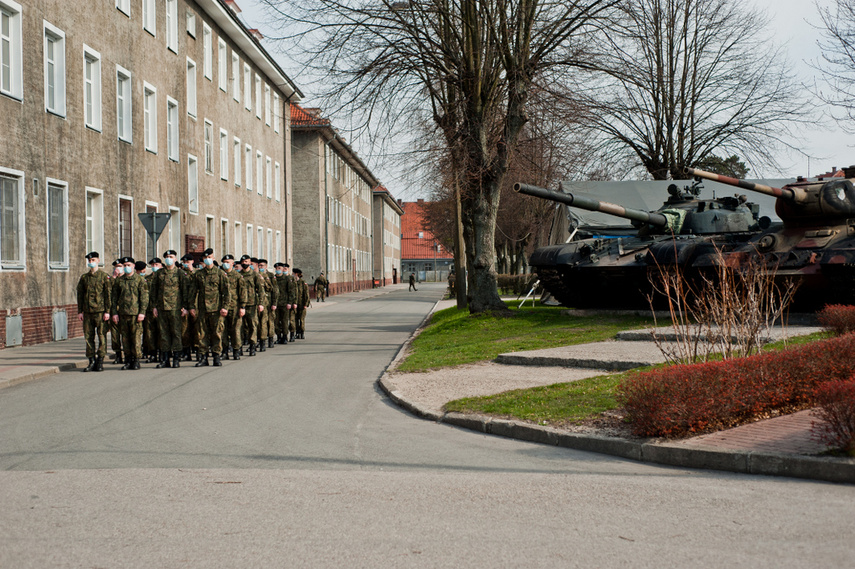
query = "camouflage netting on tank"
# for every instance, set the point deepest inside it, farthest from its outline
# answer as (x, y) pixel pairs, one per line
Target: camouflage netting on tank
(675, 217)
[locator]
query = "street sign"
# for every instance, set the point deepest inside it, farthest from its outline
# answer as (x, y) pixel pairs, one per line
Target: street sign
(154, 223)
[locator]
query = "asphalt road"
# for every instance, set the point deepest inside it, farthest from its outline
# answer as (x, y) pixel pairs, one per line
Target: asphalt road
(294, 458)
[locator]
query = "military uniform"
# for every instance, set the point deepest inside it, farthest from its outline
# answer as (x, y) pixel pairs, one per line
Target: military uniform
(211, 288)
(189, 329)
(303, 303)
(264, 316)
(285, 296)
(232, 323)
(115, 337)
(321, 284)
(169, 288)
(93, 302)
(130, 299)
(151, 332)
(254, 292)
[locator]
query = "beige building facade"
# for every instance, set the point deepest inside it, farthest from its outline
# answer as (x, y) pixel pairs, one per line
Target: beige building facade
(387, 238)
(116, 108)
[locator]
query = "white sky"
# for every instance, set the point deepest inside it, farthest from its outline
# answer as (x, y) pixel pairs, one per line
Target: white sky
(791, 24)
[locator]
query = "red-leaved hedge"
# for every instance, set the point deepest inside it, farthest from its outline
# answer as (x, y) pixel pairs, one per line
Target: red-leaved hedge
(688, 399)
(837, 318)
(836, 410)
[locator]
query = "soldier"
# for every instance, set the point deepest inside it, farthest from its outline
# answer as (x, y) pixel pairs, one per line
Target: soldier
(115, 337)
(93, 309)
(452, 279)
(211, 299)
(303, 303)
(267, 317)
(254, 292)
(321, 284)
(151, 332)
(170, 305)
(188, 327)
(412, 282)
(291, 300)
(129, 303)
(282, 282)
(236, 311)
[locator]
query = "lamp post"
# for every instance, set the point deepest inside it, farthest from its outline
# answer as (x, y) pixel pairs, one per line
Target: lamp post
(435, 245)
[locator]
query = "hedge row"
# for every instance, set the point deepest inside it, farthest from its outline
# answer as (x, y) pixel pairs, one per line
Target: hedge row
(837, 318)
(836, 400)
(689, 399)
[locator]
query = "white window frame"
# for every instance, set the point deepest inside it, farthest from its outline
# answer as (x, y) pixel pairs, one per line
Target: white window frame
(267, 104)
(192, 185)
(278, 246)
(210, 232)
(276, 111)
(124, 111)
(224, 235)
(121, 198)
(257, 96)
(249, 237)
(259, 240)
(175, 229)
(54, 71)
(209, 146)
(248, 168)
(148, 241)
(124, 6)
(172, 25)
(18, 264)
(238, 151)
(238, 248)
(94, 228)
(12, 56)
(270, 256)
(92, 88)
(247, 87)
(172, 129)
(149, 17)
(150, 117)
(190, 17)
(259, 173)
(222, 65)
(277, 181)
(224, 154)
(268, 167)
(191, 87)
(208, 51)
(235, 76)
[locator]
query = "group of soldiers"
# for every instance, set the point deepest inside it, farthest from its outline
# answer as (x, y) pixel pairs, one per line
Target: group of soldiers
(215, 309)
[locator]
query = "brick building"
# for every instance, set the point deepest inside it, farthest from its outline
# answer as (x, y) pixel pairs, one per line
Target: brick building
(121, 107)
(333, 204)
(421, 252)
(387, 237)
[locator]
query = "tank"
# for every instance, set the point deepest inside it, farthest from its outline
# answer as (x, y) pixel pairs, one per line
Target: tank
(613, 270)
(815, 243)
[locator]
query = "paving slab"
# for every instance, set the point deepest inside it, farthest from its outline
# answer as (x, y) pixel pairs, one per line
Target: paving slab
(616, 355)
(667, 333)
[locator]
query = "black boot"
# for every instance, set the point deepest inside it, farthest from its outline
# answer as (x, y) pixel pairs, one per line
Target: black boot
(136, 364)
(118, 359)
(129, 363)
(202, 360)
(292, 336)
(91, 365)
(176, 359)
(164, 360)
(236, 354)
(270, 342)
(187, 355)
(252, 349)
(217, 361)
(99, 364)
(261, 347)
(225, 353)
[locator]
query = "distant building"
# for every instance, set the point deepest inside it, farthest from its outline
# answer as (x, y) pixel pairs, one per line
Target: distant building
(333, 204)
(112, 109)
(421, 252)
(387, 238)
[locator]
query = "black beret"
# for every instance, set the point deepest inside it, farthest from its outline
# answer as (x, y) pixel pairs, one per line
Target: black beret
(286, 265)
(277, 265)
(216, 264)
(170, 252)
(155, 260)
(253, 259)
(298, 271)
(117, 261)
(263, 261)
(227, 258)
(124, 260)
(140, 265)
(92, 255)
(245, 258)
(208, 251)
(187, 257)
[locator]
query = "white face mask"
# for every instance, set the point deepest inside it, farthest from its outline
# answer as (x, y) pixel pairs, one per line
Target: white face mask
(92, 264)
(208, 261)
(129, 270)
(227, 266)
(169, 261)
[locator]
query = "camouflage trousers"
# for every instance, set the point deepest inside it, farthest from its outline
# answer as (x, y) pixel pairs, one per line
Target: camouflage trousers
(320, 293)
(189, 332)
(250, 325)
(210, 331)
(292, 320)
(263, 323)
(282, 316)
(301, 318)
(131, 332)
(169, 323)
(94, 325)
(115, 337)
(231, 336)
(268, 329)
(151, 333)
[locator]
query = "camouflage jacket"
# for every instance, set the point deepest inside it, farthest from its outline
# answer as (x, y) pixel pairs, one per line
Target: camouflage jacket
(237, 290)
(266, 289)
(252, 285)
(211, 290)
(321, 282)
(287, 289)
(129, 295)
(169, 289)
(93, 292)
(302, 293)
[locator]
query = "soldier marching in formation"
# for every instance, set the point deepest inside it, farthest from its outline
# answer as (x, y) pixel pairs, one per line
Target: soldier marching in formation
(174, 309)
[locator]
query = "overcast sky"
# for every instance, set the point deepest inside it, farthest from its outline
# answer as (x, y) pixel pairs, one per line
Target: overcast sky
(792, 25)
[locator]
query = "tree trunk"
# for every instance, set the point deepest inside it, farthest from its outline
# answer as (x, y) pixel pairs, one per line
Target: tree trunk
(479, 211)
(459, 252)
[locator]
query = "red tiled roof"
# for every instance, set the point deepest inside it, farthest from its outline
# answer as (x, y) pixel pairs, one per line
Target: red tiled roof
(307, 117)
(412, 225)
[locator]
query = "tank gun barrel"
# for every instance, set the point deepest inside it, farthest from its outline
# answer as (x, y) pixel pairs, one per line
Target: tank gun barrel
(790, 194)
(582, 202)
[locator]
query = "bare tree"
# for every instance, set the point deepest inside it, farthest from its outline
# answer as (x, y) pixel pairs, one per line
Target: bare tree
(677, 80)
(466, 64)
(838, 59)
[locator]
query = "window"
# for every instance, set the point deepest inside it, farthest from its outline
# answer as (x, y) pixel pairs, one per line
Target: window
(276, 112)
(150, 251)
(224, 235)
(269, 178)
(209, 147)
(11, 219)
(149, 17)
(175, 229)
(208, 51)
(248, 167)
(91, 89)
(259, 243)
(191, 87)
(95, 221)
(277, 182)
(209, 232)
(224, 155)
(257, 96)
(235, 76)
(247, 87)
(238, 240)
(249, 239)
(222, 64)
(172, 26)
(54, 70)
(191, 27)
(259, 180)
(237, 161)
(270, 247)
(11, 54)
(123, 104)
(172, 129)
(278, 245)
(192, 184)
(267, 105)
(124, 6)
(126, 227)
(150, 117)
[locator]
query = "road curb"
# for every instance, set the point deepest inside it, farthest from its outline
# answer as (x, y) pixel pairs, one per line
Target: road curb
(51, 370)
(826, 469)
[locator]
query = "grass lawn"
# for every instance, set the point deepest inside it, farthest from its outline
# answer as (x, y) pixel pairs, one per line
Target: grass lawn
(454, 337)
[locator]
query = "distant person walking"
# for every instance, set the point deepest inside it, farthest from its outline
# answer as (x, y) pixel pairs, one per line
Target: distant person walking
(321, 284)
(413, 281)
(451, 282)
